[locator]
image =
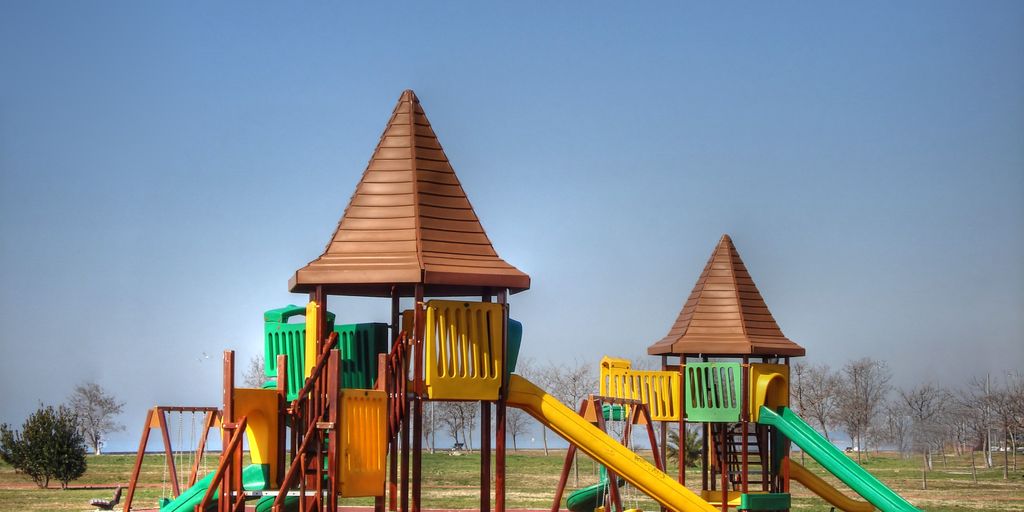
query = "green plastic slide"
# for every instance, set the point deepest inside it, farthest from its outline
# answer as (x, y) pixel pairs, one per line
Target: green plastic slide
(254, 478)
(589, 498)
(835, 461)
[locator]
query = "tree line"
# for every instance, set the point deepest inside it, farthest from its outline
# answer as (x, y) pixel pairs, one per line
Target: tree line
(985, 414)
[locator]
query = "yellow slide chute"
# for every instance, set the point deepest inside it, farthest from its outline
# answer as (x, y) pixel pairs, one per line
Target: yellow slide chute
(602, 448)
(815, 484)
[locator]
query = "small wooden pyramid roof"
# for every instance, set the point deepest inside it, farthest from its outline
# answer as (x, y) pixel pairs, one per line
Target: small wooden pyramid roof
(409, 222)
(725, 315)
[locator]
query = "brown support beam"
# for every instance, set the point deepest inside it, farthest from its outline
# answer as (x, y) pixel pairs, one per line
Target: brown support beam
(334, 370)
(138, 460)
(723, 467)
(500, 409)
(168, 452)
(744, 423)
(681, 439)
(227, 421)
(393, 446)
(282, 417)
(485, 442)
(417, 401)
(485, 455)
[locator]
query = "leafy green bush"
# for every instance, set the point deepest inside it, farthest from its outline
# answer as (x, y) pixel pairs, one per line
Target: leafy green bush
(49, 445)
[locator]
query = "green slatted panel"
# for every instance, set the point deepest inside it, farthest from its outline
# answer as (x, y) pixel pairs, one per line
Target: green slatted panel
(713, 392)
(360, 344)
(282, 337)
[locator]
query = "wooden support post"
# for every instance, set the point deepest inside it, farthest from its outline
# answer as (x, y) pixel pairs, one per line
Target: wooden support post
(138, 460)
(393, 445)
(168, 451)
(681, 439)
(723, 467)
(334, 418)
(745, 425)
(485, 455)
(228, 398)
(417, 409)
(500, 410)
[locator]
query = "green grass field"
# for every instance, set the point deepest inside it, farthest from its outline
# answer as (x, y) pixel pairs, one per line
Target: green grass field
(451, 482)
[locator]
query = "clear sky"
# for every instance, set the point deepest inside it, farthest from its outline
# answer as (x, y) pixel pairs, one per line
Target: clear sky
(165, 167)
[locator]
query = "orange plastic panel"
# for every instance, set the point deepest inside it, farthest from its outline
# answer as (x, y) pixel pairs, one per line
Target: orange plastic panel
(362, 449)
(658, 389)
(464, 359)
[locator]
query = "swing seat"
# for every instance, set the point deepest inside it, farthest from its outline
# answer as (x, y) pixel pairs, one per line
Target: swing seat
(102, 504)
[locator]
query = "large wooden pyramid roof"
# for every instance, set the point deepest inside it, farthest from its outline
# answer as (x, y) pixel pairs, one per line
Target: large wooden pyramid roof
(409, 222)
(725, 315)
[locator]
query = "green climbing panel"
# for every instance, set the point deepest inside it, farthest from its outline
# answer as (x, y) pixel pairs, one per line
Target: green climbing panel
(713, 391)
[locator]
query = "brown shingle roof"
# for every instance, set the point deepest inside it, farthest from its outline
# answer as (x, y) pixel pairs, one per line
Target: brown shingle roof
(409, 222)
(725, 314)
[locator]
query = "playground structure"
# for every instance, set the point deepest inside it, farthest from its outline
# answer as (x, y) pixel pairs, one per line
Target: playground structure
(342, 412)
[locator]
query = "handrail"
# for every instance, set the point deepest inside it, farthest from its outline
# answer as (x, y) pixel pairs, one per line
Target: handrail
(397, 374)
(321, 361)
(296, 464)
(225, 458)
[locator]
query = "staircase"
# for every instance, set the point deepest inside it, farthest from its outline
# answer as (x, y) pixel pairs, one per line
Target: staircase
(729, 455)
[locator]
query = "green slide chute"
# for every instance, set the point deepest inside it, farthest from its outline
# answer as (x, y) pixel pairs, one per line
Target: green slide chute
(254, 478)
(589, 498)
(834, 461)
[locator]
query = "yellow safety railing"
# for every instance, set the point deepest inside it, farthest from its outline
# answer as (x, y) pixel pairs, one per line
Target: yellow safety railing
(464, 359)
(658, 389)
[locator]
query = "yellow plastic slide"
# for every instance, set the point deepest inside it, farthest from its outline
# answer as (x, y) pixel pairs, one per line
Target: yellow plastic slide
(602, 448)
(826, 491)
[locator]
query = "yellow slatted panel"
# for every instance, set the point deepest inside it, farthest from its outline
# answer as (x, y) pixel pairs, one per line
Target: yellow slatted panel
(658, 389)
(463, 350)
(362, 450)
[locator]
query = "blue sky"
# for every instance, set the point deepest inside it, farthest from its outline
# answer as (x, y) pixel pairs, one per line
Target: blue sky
(164, 168)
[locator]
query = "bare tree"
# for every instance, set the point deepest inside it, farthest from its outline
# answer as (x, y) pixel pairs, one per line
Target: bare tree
(96, 410)
(469, 411)
(451, 419)
(254, 375)
(865, 384)
(979, 398)
(430, 424)
(571, 383)
(1004, 402)
(821, 396)
(529, 368)
(517, 423)
(924, 405)
(897, 425)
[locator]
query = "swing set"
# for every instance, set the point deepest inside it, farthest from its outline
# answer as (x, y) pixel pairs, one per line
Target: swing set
(180, 464)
